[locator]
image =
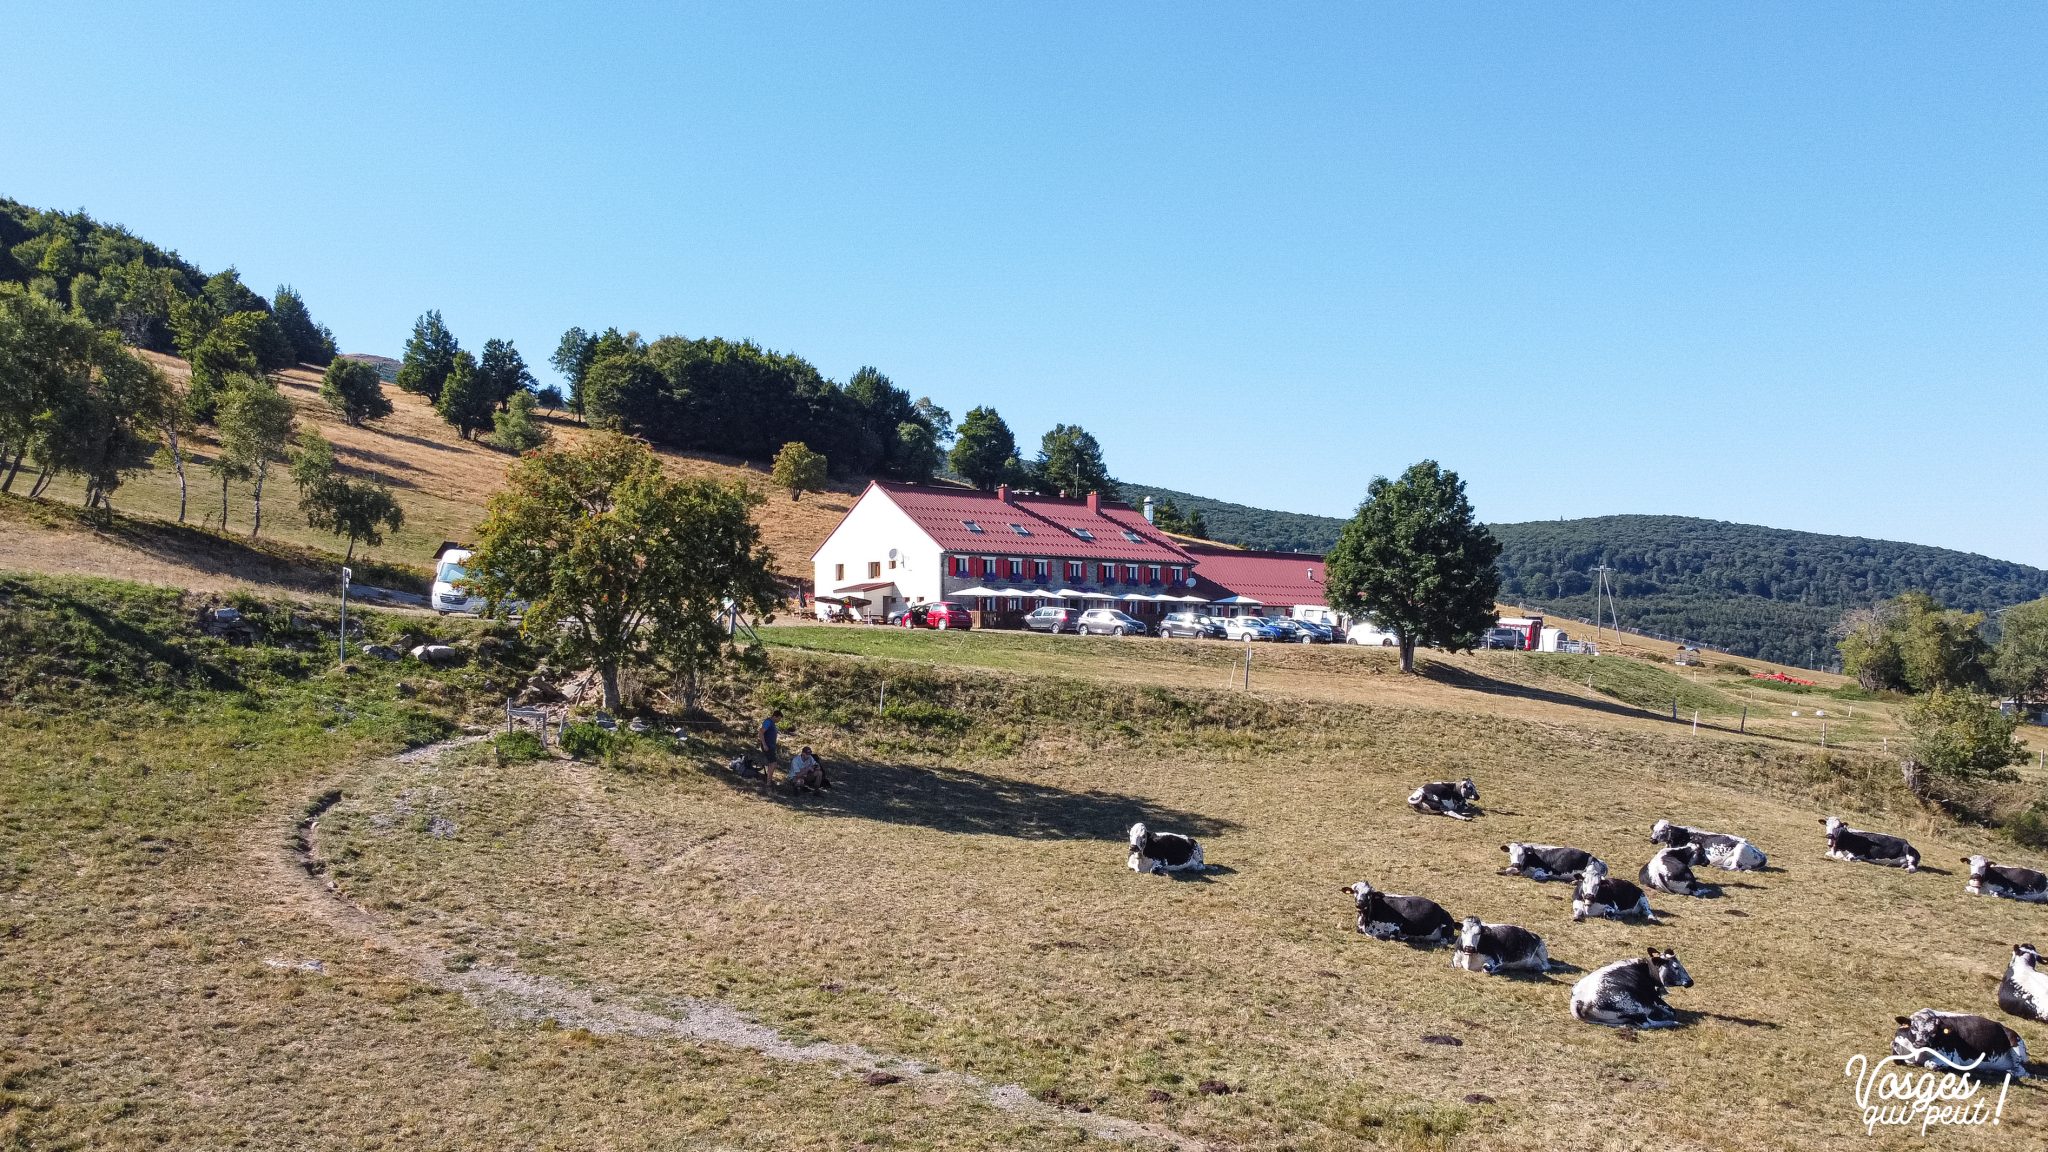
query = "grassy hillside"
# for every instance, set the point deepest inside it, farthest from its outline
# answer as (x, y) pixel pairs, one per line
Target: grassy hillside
(562, 944)
(1754, 591)
(1243, 525)
(441, 480)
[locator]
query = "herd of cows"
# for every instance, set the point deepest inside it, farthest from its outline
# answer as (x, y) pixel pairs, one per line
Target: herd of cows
(1630, 993)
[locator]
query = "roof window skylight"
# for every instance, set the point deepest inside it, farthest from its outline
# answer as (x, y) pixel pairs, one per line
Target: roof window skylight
(971, 525)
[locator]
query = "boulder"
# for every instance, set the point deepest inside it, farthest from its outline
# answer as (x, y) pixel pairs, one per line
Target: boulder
(438, 655)
(381, 651)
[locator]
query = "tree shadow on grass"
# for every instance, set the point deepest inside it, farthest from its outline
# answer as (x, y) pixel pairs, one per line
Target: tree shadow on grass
(1452, 676)
(127, 635)
(1689, 1016)
(973, 803)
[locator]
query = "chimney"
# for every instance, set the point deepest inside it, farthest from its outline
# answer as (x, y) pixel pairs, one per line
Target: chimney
(1003, 493)
(1095, 501)
(1148, 510)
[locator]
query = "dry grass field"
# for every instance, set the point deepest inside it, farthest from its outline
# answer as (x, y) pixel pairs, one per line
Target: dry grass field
(947, 947)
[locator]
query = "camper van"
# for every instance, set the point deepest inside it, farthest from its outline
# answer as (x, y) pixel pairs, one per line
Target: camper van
(450, 593)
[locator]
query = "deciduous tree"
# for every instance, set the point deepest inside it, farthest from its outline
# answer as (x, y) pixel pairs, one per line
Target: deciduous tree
(2022, 660)
(353, 389)
(621, 564)
(255, 424)
(798, 469)
(1416, 560)
(1959, 734)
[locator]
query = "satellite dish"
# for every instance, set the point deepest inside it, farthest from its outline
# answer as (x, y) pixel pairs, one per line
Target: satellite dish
(892, 553)
(1191, 581)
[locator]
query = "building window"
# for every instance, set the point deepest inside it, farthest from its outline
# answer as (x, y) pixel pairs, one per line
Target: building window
(839, 572)
(1105, 573)
(1039, 570)
(1016, 568)
(1179, 575)
(971, 526)
(874, 569)
(1152, 574)
(1130, 573)
(960, 566)
(1020, 530)
(1133, 537)
(1077, 571)
(1016, 605)
(1084, 534)
(892, 563)
(988, 567)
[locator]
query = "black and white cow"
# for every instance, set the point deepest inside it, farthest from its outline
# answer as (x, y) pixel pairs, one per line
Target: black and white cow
(1496, 948)
(1988, 879)
(1599, 894)
(1162, 852)
(1458, 799)
(1670, 870)
(1960, 1042)
(1846, 843)
(1630, 993)
(1545, 861)
(1385, 916)
(1729, 853)
(2024, 991)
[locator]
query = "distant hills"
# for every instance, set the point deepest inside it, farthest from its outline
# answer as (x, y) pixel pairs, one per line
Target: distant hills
(1768, 593)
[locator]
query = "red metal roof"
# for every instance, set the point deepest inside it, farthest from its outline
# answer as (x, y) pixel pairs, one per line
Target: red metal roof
(944, 513)
(1274, 579)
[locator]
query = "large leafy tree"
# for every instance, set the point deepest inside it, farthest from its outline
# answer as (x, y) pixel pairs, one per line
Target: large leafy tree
(353, 389)
(618, 391)
(46, 358)
(985, 449)
(255, 423)
(1070, 461)
(110, 427)
(1912, 644)
(1959, 734)
(515, 429)
(621, 564)
(1415, 560)
(311, 343)
(358, 510)
(2022, 660)
(466, 400)
(429, 356)
(226, 351)
(798, 469)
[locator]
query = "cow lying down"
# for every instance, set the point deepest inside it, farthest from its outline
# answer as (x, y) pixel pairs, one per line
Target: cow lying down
(1163, 852)
(1959, 1042)
(1729, 853)
(1458, 799)
(1544, 861)
(1386, 916)
(2024, 991)
(1599, 894)
(1988, 879)
(1853, 844)
(1670, 870)
(1497, 948)
(1630, 993)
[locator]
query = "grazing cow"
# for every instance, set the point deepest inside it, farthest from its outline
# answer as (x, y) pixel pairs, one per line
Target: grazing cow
(1729, 853)
(1385, 916)
(1988, 879)
(1670, 870)
(1163, 852)
(2024, 991)
(1544, 861)
(1630, 993)
(1496, 948)
(1960, 1042)
(1457, 799)
(1846, 843)
(1599, 894)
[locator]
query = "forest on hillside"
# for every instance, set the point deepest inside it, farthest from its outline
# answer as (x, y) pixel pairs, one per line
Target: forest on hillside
(1764, 592)
(1243, 525)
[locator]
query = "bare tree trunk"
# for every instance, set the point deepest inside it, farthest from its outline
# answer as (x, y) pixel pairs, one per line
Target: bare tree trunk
(1407, 653)
(608, 675)
(262, 467)
(42, 482)
(177, 460)
(223, 501)
(349, 555)
(1916, 780)
(12, 468)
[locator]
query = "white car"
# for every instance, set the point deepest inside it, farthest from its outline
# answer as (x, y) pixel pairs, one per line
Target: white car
(1368, 633)
(1249, 628)
(449, 593)
(1109, 622)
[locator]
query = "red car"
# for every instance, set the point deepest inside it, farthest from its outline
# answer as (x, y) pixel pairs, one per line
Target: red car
(943, 614)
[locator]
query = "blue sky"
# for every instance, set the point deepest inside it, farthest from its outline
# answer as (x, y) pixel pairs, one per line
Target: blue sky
(1777, 264)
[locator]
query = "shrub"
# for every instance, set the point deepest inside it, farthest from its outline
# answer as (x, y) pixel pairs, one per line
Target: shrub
(518, 747)
(587, 741)
(1960, 735)
(2029, 827)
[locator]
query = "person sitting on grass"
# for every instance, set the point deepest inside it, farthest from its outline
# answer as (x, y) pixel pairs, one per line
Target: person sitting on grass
(805, 771)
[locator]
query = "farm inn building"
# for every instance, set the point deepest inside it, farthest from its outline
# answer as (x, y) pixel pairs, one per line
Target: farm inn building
(1001, 554)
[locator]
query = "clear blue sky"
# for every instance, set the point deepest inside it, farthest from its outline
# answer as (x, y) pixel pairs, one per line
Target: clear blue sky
(1778, 264)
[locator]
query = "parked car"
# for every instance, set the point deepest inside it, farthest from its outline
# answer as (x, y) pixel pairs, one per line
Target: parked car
(1509, 638)
(1054, 620)
(1366, 632)
(1192, 625)
(1249, 628)
(938, 614)
(1303, 631)
(1110, 622)
(451, 592)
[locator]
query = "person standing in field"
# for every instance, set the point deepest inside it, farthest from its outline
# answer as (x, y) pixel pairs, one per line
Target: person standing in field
(771, 732)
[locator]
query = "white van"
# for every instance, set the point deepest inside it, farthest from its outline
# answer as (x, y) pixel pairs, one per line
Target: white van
(449, 593)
